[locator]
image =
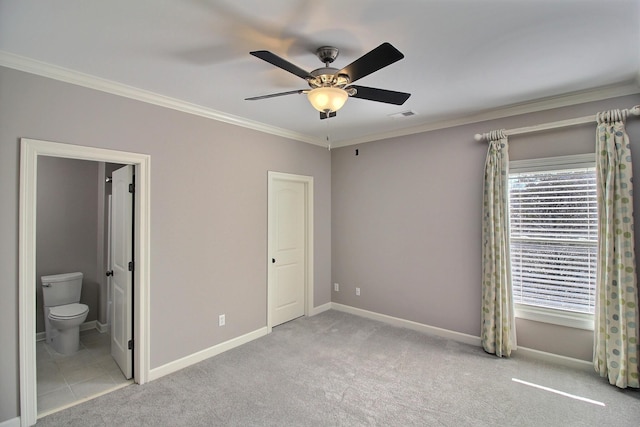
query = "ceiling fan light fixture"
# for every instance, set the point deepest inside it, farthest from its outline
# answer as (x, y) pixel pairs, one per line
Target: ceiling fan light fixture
(327, 99)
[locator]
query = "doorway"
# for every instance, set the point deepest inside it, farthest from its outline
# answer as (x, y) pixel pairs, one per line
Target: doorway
(72, 235)
(290, 247)
(30, 151)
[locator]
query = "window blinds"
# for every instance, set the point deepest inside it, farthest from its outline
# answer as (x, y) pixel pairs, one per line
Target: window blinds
(553, 226)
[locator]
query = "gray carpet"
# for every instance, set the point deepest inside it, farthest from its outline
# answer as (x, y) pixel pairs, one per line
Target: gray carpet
(336, 369)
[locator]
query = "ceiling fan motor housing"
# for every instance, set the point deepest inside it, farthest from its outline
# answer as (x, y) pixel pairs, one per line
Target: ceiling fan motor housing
(328, 77)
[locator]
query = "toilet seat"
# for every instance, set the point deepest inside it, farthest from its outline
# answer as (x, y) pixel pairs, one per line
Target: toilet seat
(68, 311)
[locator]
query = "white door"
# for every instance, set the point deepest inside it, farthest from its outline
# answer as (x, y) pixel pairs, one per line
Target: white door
(288, 221)
(122, 267)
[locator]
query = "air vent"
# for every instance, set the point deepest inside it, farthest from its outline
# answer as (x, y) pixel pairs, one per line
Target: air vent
(403, 114)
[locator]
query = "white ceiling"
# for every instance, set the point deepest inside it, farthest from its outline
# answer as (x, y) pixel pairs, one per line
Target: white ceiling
(463, 58)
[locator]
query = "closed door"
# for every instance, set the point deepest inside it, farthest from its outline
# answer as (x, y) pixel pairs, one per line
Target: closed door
(288, 222)
(122, 267)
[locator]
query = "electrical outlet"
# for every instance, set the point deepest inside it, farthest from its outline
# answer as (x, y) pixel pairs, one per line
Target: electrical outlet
(336, 287)
(221, 320)
(357, 292)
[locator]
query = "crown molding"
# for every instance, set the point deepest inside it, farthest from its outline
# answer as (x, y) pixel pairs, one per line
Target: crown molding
(574, 98)
(66, 75)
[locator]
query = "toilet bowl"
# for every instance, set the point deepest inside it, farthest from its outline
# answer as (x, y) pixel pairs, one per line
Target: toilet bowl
(65, 321)
(63, 313)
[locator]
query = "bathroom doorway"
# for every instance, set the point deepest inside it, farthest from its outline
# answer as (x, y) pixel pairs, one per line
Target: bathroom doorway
(31, 152)
(73, 219)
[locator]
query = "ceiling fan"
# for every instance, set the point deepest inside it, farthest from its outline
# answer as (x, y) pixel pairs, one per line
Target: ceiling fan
(330, 87)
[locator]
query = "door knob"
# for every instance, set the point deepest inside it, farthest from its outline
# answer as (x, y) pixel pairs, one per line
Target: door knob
(273, 260)
(109, 273)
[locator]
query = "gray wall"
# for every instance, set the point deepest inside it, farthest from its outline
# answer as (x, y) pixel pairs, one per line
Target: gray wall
(404, 225)
(406, 222)
(208, 211)
(67, 227)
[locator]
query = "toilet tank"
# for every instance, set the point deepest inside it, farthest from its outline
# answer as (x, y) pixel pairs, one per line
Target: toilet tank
(60, 289)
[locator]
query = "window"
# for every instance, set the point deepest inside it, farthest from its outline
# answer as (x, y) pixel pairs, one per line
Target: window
(554, 236)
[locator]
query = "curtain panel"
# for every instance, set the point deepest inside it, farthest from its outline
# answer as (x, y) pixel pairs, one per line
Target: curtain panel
(497, 316)
(616, 332)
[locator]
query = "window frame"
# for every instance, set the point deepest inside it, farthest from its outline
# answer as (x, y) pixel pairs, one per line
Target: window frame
(545, 314)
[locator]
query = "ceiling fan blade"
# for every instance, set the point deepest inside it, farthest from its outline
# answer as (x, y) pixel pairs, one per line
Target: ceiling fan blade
(380, 95)
(378, 58)
(274, 59)
(273, 95)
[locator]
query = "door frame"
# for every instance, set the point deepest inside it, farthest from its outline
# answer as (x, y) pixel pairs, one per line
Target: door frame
(308, 258)
(30, 150)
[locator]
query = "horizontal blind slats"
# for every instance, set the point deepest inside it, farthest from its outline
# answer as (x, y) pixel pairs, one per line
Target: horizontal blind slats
(547, 210)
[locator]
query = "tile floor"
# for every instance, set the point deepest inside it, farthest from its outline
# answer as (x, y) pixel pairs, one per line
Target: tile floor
(63, 380)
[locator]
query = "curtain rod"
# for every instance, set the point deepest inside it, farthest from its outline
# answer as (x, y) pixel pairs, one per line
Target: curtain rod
(554, 125)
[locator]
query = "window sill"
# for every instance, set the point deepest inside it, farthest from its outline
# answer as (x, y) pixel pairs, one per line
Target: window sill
(555, 317)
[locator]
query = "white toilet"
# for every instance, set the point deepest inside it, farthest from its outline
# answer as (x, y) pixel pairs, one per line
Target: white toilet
(63, 313)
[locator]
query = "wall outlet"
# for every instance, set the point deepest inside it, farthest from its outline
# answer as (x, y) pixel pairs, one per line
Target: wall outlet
(221, 320)
(357, 292)
(336, 287)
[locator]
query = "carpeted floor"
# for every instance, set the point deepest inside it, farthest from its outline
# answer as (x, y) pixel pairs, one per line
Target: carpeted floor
(336, 369)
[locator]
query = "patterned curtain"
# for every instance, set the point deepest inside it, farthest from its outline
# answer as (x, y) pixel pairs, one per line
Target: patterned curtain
(498, 323)
(616, 331)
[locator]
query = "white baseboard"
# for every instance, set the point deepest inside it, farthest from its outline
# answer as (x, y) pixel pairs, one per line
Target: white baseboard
(13, 422)
(420, 327)
(321, 309)
(395, 321)
(194, 358)
(88, 325)
(102, 327)
(554, 358)
(460, 337)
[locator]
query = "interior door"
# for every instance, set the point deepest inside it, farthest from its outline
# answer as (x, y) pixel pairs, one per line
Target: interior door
(122, 267)
(288, 225)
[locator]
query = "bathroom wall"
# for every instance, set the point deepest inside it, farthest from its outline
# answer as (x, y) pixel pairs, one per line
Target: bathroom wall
(67, 227)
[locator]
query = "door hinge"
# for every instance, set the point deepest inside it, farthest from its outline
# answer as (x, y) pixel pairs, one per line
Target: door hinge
(130, 265)
(130, 345)
(131, 188)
